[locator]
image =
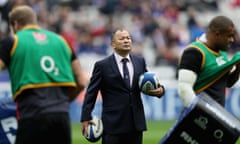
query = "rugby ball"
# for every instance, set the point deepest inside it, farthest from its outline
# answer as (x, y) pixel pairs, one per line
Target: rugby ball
(148, 81)
(94, 132)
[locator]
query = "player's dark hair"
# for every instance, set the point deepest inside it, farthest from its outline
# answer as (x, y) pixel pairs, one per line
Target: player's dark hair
(114, 32)
(220, 23)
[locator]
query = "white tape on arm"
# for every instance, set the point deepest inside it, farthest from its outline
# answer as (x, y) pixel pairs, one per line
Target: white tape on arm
(186, 80)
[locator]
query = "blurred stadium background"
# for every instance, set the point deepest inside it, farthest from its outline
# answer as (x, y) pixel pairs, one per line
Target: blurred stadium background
(160, 30)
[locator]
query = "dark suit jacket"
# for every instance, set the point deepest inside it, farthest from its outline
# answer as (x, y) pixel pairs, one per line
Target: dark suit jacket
(122, 109)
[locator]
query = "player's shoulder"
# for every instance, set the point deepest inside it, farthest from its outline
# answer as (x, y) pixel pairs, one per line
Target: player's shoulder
(6, 44)
(8, 40)
(192, 51)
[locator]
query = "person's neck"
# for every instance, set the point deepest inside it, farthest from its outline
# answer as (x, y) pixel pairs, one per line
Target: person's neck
(123, 54)
(209, 43)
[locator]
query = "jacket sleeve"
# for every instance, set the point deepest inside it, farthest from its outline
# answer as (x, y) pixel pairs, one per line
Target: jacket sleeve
(91, 93)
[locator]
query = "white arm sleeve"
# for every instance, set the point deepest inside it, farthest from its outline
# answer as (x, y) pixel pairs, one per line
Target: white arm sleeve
(186, 80)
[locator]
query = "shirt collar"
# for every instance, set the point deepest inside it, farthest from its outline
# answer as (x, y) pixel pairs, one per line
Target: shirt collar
(119, 58)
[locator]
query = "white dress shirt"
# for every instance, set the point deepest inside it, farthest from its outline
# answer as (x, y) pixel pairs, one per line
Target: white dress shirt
(120, 65)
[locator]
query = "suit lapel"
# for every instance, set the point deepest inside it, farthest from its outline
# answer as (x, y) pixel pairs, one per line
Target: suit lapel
(114, 66)
(116, 70)
(134, 71)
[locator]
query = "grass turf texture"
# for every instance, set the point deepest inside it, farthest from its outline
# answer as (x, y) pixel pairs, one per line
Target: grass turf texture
(156, 130)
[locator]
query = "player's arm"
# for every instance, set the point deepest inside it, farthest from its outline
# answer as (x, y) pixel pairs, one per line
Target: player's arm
(6, 45)
(189, 67)
(79, 76)
(186, 80)
(233, 75)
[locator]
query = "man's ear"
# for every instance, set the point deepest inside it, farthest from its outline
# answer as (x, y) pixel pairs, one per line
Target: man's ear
(112, 44)
(16, 26)
(13, 27)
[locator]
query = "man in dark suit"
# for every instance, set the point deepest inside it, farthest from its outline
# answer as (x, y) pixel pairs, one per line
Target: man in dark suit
(123, 112)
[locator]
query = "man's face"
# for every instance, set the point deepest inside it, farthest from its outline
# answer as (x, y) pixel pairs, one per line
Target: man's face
(122, 42)
(225, 39)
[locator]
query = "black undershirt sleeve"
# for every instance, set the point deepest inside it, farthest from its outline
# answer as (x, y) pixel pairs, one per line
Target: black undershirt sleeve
(191, 60)
(6, 45)
(73, 56)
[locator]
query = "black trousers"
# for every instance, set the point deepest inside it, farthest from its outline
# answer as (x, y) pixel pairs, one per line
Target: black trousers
(127, 138)
(45, 129)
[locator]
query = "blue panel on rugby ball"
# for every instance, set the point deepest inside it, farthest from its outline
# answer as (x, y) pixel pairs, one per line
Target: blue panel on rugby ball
(148, 81)
(94, 132)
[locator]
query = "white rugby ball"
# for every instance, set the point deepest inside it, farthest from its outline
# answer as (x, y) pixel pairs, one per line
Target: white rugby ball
(94, 132)
(148, 81)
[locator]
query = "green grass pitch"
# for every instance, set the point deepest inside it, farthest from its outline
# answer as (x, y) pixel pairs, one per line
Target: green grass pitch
(156, 130)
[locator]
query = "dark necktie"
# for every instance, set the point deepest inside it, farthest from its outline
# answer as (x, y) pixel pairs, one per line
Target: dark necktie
(126, 76)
